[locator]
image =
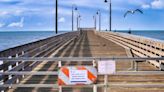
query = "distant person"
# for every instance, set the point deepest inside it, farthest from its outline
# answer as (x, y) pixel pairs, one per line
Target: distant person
(81, 32)
(129, 31)
(106, 30)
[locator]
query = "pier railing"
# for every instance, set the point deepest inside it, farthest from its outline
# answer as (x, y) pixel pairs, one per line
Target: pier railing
(42, 48)
(140, 46)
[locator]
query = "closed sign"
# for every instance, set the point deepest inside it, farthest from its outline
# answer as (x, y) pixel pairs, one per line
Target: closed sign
(106, 67)
(77, 75)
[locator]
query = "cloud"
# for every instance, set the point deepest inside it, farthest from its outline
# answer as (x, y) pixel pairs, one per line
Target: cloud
(2, 25)
(146, 6)
(157, 4)
(3, 13)
(10, 2)
(62, 20)
(64, 11)
(17, 24)
(16, 12)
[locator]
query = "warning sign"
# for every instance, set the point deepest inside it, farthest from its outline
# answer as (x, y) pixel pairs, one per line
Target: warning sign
(79, 76)
(106, 67)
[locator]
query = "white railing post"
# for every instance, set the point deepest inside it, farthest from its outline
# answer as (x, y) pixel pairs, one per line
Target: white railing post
(59, 64)
(23, 65)
(2, 81)
(17, 63)
(9, 68)
(16, 57)
(94, 63)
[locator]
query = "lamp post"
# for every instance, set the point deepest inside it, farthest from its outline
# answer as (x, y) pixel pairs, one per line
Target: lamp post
(110, 14)
(94, 19)
(74, 7)
(56, 19)
(99, 13)
(79, 20)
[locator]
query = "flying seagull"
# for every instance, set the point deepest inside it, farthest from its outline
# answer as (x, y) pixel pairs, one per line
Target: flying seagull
(132, 12)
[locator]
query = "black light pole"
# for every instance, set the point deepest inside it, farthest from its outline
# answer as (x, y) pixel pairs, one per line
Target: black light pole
(99, 13)
(110, 14)
(56, 16)
(73, 8)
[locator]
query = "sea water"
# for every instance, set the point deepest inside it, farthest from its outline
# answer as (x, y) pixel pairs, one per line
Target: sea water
(12, 39)
(16, 38)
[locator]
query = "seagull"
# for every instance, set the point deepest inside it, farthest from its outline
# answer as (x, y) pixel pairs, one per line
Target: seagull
(132, 12)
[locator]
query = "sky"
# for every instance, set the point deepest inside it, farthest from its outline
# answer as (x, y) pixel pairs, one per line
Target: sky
(39, 15)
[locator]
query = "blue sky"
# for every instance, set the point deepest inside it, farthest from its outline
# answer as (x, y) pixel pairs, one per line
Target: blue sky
(39, 15)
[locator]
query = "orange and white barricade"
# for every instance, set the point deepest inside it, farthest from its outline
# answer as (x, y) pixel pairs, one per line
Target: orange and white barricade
(77, 75)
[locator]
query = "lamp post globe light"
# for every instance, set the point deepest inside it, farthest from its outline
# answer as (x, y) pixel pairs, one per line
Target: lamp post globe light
(110, 14)
(74, 7)
(99, 13)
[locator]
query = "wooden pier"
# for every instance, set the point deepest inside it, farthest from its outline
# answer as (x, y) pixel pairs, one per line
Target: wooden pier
(87, 43)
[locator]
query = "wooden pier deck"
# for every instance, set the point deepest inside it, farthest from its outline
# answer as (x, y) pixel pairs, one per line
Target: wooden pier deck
(91, 45)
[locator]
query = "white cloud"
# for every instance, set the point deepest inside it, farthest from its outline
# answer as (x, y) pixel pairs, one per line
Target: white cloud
(3, 13)
(64, 11)
(136, 2)
(16, 12)
(17, 24)
(2, 25)
(157, 4)
(146, 6)
(62, 20)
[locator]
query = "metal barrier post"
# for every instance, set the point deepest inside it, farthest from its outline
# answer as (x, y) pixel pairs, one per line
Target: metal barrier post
(60, 88)
(132, 65)
(106, 82)
(59, 66)
(161, 66)
(136, 66)
(94, 86)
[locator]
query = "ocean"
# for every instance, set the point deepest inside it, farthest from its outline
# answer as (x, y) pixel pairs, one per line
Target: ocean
(12, 39)
(16, 38)
(150, 34)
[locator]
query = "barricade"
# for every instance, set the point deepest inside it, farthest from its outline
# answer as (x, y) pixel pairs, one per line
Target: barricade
(77, 75)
